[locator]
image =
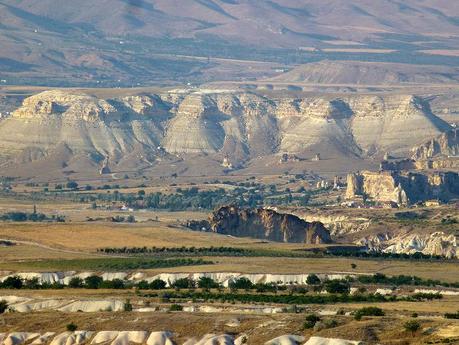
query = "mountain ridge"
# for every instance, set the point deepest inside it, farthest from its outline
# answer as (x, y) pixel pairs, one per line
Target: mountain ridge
(137, 131)
(143, 41)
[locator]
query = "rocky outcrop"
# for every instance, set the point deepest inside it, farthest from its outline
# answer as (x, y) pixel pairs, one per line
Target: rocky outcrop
(439, 163)
(399, 164)
(338, 224)
(132, 131)
(152, 338)
(191, 130)
(267, 224)
(402, 187)
(437, 243)
(87, 127)
(447, 144)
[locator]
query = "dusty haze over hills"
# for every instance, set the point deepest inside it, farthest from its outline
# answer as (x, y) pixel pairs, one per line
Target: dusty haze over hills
(125, 42)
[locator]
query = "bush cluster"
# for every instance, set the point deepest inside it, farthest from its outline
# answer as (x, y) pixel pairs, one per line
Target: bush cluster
(30, 217)
(379, 278)
(279, 298)
(452, 315)
(368, 311)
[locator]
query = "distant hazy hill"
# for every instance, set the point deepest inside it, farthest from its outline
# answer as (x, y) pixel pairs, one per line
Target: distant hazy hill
(109, 40)
(368, 73)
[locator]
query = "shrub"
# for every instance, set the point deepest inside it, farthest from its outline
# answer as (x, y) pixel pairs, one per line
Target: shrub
(71, 327)
(207, 283)
(337, 286)
(313, 279)
(412, 326)
(164, 297)
(3, 306)
(158, 284)
(241, 284)
(270, 287)
(310, 321)
(127, 305)
(93, 282)
(143, 285)
(113, 284)
(14, 282)
(175, 307)
(319, 326)
(33, 284)
(72, 185)
(452, 315)
(76, 282)
(183, 283)
(332, 323)
(368, 311)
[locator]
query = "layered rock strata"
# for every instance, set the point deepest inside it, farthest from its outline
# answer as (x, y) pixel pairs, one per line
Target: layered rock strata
(402, 187)
(267, 224)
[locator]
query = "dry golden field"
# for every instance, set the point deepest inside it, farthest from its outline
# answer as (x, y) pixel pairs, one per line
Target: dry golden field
(81, 240)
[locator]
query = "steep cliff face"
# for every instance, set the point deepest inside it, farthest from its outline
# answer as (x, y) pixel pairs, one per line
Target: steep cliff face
(447, 144)
(193, 130)
(267, 224)
(84, 127)
(382, 123)
(240, 125)
(403, 187)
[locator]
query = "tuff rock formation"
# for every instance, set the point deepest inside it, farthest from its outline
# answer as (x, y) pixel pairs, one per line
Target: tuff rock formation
(446, 144)
(437, 243)
(267, 224)
(69, 127)
(402, 187)
(80, 130)
(151, 338)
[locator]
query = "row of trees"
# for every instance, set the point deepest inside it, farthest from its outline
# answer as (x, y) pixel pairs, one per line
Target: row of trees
(204, 251)
(334, 286)
(380, 278)
(193, 198)
(376, 254)
(292, 299)
(30, 217)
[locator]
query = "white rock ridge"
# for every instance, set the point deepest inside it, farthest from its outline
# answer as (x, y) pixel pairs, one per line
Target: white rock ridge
(135, 130)
(152, 338)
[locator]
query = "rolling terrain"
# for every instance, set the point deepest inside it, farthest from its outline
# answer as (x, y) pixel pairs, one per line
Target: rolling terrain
(143, 42)
(229, 172)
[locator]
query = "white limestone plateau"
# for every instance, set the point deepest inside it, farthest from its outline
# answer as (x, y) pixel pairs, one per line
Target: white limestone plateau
(133, 131)
(151, 338)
